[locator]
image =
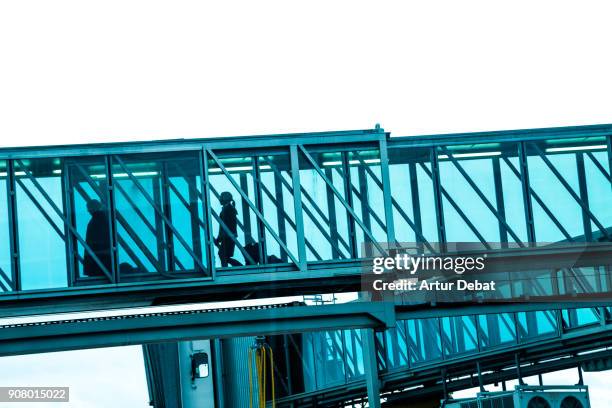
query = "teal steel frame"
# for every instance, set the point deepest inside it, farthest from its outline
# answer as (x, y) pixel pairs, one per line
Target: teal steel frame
(208, 281)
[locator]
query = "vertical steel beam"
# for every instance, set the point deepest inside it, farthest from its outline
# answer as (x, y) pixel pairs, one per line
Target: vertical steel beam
(444, 387)
(280, 210)
(166, 207)
(246, 213)
(437, 191)
(371, 368)
(159, 227)
(349, 199)
(386, 189)
(297, 207)
(194, 217)
(524, 171)
(261, 229)
(365, 210)
(67, 207)
(416, 203)
(333, 219)
(480, 383)
(211, 237)
(11, 194)
(519, 375)
(499, 201)
(584, 196)
(288, 367)
(112, 212)
(580, 378)
(218, 370)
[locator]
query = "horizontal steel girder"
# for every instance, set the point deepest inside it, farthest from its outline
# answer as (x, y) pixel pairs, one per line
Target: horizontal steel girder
(86, 333)
(269, 281)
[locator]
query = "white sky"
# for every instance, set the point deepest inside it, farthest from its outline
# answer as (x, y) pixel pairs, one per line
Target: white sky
(98, 71)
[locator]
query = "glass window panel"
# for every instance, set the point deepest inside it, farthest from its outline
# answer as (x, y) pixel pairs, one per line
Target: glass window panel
(573, 318)
(536, 324)
(381, 358)
(367, 198)
(424, 340)
(43, 258)
(308, 356)
(354, 353)
(277, 207)
(496, 329)
(581, 280)
(160, 224)
(554, 195)
(514, 203)
(412, 195)
(397, 345)
(328, 352)
(326, 226)
(468, 201)
(479, 183)
(533, 283)
(90, 217)
(599, 193)
(239, 237)
(459, 335)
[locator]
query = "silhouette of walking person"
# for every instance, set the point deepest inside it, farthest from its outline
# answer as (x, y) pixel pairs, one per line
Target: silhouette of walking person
(97, 238)
(225, 241)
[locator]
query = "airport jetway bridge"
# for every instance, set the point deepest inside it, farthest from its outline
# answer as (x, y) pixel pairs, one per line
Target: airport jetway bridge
(124, 225)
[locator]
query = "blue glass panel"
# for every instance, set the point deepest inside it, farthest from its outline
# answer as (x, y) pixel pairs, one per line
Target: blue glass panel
(89, 202)
(326, 225)
(582, 280)
(241, 233)
(573, 318)
(514, 204)
(277, 206)
(397, 345)
(533, 283)
(536, 324)
(381, 356)
(160, 226)
(555, 195)
(424, 340)
(368, 198)
(329, 358)
(41, 229)
(308, 357)
(354, 353)
(479, 181)
(468, 202)
(496, 329)
(412, 195)
(599, 193)
(459, 335)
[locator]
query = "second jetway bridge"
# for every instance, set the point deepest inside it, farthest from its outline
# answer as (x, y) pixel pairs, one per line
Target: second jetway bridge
(341, 352)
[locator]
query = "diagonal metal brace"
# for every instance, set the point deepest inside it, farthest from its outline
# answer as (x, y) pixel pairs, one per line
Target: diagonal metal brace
(342, 200)
(252, 206)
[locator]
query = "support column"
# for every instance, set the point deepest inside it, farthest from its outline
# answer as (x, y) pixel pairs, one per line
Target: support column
(371, 367)
(386, 182)
(297, 203)
(196, 392)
